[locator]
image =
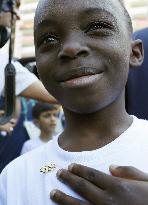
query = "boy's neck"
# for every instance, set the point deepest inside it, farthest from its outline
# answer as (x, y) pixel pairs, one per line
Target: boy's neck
(92, 131)
(45, 137)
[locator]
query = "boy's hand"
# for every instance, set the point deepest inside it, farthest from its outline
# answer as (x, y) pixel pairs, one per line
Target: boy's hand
(127, 172)
(128, 186)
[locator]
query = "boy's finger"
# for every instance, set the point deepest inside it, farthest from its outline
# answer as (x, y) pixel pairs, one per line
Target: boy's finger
(128, 172)
(82, 186)
(100, 179)
(63, 199)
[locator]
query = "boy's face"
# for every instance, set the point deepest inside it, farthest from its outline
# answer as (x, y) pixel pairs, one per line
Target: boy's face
(47, 121)
(83, 50)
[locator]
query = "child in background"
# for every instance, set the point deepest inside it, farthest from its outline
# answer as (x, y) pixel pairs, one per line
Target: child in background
(45, 117)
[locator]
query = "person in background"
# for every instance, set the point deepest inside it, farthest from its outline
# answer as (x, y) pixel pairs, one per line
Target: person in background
(45, 117)
(27, 85)
(137, 84)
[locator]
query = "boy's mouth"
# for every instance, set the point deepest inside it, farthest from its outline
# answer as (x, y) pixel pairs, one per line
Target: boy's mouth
(80, 76)
(78, 73)
(52, 125)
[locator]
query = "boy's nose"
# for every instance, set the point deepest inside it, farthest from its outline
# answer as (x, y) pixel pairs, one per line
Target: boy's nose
(53, 117)
(73, 50)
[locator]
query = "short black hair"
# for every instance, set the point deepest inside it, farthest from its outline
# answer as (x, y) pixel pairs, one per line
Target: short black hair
(42, 107)
(125, 12)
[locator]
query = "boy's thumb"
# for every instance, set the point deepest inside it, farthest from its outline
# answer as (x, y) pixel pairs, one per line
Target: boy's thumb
(128, 172)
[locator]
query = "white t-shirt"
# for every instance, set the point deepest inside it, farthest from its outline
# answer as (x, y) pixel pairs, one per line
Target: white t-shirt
(21, 182)
(24, 78)
(32, 144)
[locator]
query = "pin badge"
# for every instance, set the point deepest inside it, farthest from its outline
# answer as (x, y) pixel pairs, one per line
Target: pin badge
(48, 168)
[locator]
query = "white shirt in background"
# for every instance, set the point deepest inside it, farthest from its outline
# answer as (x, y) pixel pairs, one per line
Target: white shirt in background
(24, 78)
(31, 144)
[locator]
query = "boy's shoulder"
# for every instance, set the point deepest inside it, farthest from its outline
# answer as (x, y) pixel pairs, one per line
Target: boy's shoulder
(140, 128)
(140, 123)
(22, 175)
(30, 160)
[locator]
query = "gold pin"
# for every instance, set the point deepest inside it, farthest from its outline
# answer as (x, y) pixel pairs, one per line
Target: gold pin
(48, 168)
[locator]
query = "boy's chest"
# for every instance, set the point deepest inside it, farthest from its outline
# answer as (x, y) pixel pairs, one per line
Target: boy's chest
(36, 187)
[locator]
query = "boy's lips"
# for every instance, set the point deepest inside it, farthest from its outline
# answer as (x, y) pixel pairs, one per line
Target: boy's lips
(52, 125)
(78, 73)
(80, 77)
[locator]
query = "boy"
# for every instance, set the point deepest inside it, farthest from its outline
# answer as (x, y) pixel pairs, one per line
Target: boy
(45, 118)
(83, 50)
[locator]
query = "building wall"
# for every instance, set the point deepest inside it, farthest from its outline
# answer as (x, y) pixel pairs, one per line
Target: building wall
(24, 45)
(138, 10)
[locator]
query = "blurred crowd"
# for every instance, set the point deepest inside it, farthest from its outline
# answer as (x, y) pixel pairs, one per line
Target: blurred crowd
(26, 125)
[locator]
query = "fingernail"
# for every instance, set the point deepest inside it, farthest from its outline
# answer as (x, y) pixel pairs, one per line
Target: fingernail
(114, 166)
(52, 193)
(71, 166)
(59, 172)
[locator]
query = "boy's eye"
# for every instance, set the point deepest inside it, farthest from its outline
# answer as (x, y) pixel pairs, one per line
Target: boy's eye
(56, 115)
(48, 39)
(47, 115)
(99, 25)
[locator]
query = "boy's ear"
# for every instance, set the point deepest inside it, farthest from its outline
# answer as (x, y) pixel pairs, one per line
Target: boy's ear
(137, 53)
